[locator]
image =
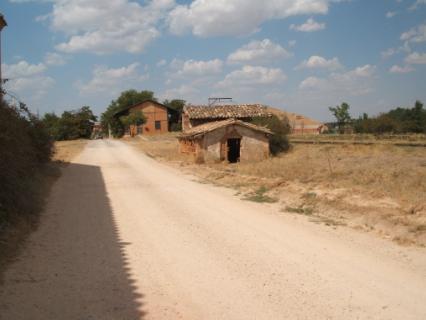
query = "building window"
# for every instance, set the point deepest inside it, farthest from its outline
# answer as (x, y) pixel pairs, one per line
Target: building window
(157, 125)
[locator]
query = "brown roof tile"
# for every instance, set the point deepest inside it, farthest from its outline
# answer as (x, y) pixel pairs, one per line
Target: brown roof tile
(226, 111)
(211, 126)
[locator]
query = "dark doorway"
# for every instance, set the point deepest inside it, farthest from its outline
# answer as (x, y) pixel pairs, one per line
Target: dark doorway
(234, 150)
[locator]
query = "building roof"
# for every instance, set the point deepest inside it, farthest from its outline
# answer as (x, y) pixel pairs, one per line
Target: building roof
(125, 110)
(226, 111)
(211, 126)
(296, 120)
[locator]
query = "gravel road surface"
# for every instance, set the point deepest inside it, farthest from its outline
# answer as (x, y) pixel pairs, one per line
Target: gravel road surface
(124, 237)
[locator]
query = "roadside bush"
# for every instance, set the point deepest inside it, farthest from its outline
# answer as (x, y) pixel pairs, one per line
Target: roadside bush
(278, 142)
(25, 146)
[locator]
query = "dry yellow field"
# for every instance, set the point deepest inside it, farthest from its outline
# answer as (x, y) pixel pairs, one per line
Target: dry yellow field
(377, 188)
(65, 151)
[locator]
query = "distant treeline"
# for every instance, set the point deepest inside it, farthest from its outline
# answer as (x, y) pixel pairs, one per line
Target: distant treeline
(399, 120)
(71, 125)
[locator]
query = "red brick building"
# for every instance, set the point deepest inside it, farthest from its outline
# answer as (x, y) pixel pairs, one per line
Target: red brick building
(157, 118)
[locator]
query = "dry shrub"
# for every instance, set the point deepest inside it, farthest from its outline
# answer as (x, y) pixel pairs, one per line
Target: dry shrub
(25, 147)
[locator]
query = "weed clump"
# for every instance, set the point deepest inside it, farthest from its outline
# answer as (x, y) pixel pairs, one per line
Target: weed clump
(260, 196)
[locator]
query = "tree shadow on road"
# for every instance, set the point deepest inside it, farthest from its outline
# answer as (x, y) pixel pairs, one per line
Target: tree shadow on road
(75, 265)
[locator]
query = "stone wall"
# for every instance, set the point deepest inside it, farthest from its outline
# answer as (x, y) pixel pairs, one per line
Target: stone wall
(254, 144)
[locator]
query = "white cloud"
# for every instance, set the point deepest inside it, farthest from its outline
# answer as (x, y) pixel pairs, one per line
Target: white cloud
(22, 69)
(391, 14)
(392, 51)
(194, 68)
(320, 62)
(416, 58)
(27, 81)
(258, 52)
(183, 91)
(352, 83)
(161, 63)
(112, 80)
(54, 59)
(253, 76)
(388, 53)
(417, 4)
(364, 71)
(309, 26)
(237, 17)
(399, 69)
(119, 25)
(312, 82)
(415, 35)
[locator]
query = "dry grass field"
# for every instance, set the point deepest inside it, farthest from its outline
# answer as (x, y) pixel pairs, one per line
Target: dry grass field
(377, 188)
(65, 151)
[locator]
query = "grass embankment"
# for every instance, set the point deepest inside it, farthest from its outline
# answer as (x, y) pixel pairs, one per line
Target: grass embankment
(380, 188)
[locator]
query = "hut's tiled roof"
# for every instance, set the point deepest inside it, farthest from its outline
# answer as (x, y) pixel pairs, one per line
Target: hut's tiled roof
(226, 111)
(211, 126)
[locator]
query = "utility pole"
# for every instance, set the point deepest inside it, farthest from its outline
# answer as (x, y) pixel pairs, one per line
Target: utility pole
(3, 24)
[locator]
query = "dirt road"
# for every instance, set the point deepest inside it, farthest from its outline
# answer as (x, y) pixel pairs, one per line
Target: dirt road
(124, 237)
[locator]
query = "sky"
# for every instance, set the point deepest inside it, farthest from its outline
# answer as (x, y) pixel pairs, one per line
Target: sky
(301, 56)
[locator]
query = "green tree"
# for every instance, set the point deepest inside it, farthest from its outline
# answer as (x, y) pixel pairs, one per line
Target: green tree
(133, 119)
(175, 120)
(280, 128)
(74, 124)
(398, 120)
(51, 122)
(341, 113)
(126, 99)
(384, 124)
(85, 119)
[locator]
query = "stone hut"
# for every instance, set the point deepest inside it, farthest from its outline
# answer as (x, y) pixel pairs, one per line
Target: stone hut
(229, 140)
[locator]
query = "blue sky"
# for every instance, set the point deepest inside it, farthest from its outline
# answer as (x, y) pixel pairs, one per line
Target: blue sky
(298, 55)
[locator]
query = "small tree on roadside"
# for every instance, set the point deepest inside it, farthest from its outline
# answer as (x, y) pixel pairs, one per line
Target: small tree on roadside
(132, 120)
(341, 113)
